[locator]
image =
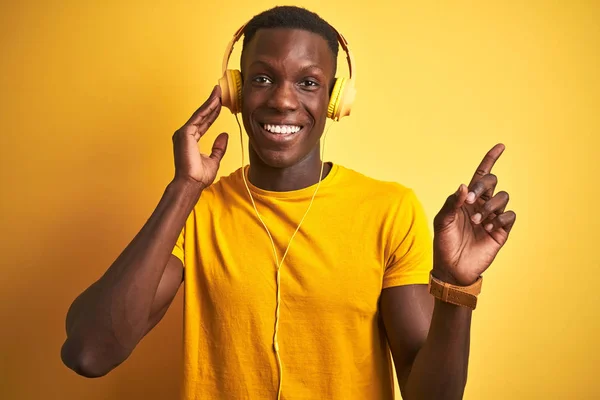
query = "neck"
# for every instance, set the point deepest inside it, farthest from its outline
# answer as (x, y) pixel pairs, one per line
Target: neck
(298, 176)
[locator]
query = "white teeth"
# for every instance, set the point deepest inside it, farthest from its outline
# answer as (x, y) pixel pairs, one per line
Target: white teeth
(283, 129)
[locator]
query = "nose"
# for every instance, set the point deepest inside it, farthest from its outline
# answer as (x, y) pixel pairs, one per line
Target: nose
(283, 97)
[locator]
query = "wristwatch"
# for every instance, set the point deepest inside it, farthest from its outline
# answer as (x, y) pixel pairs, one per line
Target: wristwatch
(465, 296)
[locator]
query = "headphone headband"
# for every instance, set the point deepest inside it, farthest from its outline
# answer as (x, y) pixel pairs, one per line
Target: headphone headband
(341, 40)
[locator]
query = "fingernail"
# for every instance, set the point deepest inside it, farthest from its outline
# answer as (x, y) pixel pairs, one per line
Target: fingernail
(489, 227)
(458, 190)
(470, 197)
(476, 218)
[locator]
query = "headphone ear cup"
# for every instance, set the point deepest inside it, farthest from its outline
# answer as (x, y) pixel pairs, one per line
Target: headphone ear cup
(335, 97)
(346, 100)
(342, 98)
(231, 90)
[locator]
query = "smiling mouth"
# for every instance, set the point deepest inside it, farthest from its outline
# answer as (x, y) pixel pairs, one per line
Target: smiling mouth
(282, 129)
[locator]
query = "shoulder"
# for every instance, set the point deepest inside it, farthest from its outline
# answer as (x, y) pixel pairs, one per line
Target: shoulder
(219, 195)
(377, 190)
(395, 205)
(224, 186)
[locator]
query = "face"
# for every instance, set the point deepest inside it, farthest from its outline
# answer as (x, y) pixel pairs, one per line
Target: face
(287, 76)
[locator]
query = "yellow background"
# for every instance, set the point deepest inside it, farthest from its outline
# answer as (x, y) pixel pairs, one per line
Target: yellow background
(90, 93)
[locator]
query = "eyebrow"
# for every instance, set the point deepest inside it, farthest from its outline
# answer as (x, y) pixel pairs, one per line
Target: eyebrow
(304, 68)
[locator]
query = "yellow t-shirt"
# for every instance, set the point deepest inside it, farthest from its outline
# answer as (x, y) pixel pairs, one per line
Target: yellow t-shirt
(360, 236)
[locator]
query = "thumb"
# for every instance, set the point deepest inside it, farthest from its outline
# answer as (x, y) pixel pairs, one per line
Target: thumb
(219, 147)
(447, 213)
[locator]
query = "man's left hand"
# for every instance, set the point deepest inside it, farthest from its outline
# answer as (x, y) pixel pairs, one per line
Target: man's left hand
(472, 226)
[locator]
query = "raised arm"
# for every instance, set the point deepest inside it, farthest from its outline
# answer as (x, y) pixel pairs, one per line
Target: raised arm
(107, 320)
(429, 339)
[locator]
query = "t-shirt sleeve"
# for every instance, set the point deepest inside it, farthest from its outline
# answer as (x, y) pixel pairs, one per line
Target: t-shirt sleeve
(409, 248)
(178, 249)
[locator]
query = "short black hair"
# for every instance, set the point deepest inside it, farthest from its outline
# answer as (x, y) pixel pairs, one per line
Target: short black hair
(293, 18)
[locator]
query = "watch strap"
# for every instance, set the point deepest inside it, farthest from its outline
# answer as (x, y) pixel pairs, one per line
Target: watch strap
(465, 296)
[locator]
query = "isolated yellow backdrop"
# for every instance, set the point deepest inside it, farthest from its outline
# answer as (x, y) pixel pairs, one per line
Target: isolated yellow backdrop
(91, 91)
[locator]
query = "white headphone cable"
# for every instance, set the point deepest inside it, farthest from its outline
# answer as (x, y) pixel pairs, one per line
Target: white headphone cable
(277, 263)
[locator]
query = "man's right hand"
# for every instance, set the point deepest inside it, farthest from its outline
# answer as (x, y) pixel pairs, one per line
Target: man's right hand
(190, 164)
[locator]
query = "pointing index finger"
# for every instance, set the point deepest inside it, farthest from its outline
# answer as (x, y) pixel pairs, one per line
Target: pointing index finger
(487, 163)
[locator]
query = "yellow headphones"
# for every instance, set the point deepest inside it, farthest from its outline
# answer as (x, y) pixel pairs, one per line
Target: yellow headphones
(342, 95)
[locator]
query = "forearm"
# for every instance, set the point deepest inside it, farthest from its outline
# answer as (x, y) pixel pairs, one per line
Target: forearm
(108, 319)
(439, 370)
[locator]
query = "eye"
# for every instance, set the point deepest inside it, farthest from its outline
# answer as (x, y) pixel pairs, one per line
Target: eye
(309, 84)
(262, 80)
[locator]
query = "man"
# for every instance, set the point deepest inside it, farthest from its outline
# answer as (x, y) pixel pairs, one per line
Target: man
(352, 282)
